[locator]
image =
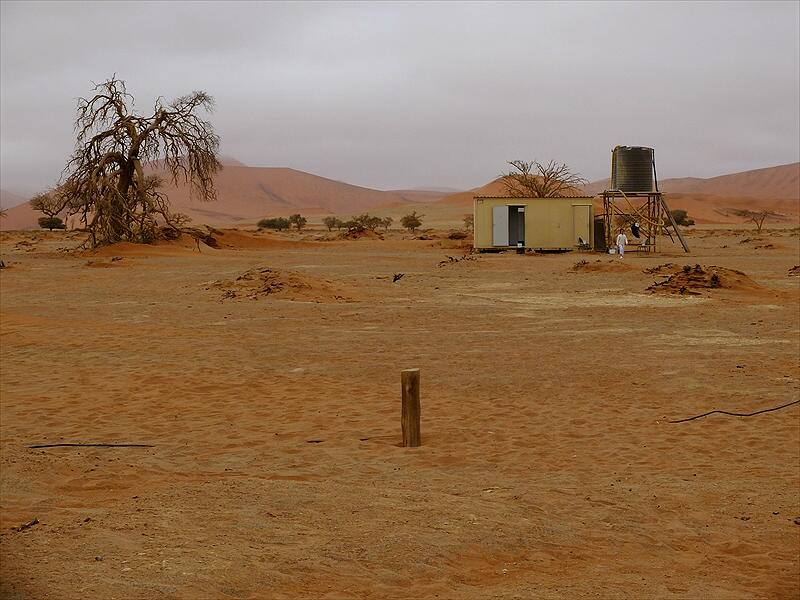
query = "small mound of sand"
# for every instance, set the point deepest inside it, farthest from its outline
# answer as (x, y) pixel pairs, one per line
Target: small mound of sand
(286, 285)
(601, 266)
(360, 235)
(693, 280)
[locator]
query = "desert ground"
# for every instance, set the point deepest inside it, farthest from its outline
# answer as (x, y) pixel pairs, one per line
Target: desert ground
(264, 378)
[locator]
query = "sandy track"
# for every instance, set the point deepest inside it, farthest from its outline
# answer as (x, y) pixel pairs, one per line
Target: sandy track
(547, 467)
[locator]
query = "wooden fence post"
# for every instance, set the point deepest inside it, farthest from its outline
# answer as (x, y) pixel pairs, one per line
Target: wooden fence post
(409, 379)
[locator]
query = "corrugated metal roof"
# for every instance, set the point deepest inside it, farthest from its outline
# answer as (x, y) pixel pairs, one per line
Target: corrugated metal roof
(582, 197)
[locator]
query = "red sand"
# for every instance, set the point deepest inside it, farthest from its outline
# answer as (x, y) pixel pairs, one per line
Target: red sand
(548, 467)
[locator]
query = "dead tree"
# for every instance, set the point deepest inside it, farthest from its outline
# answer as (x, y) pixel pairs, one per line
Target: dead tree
(537, 180)
(757, 217)
(50, 203)
(105, 180)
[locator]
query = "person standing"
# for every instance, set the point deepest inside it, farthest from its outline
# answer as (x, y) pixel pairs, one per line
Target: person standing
(622, 239)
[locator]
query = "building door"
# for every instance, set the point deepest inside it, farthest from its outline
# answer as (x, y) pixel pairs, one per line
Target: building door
(516, 225)
(500, 225)
(581, 224)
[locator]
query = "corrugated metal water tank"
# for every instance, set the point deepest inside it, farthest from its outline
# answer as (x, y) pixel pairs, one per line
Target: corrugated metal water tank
(632, 169)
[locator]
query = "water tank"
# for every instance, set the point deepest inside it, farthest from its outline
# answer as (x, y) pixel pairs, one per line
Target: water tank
(632, 169)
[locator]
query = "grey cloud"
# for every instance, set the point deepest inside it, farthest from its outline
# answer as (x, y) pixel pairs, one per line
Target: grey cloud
(397, 94)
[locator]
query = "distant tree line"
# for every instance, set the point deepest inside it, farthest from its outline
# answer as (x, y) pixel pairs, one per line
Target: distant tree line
(356, 224)
(280, 223)
(363, 222)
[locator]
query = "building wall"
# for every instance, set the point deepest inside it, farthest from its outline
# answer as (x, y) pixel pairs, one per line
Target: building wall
(550, 223)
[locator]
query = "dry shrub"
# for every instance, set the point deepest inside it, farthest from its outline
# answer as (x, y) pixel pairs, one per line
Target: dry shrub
(694, 280)
(360, 234)
(263, 282)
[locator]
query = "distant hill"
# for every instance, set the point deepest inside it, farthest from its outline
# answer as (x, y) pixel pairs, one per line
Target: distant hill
(9, 199)
(713, 200)
(772, 183)
(246, 194)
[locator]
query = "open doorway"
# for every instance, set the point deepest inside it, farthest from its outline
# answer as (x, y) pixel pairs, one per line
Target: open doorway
(508, 226)
(516, 226)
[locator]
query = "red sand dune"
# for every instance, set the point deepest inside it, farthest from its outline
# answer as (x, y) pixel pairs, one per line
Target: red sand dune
(9, 199)
(250, 193)
(246, 194)
(782, 182)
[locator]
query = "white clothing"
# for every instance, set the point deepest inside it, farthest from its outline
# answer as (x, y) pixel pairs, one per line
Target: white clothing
(622, 239)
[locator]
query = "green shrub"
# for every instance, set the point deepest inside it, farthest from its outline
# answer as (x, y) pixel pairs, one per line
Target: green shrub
(51, 223)
(681, 217)
(331, 222)
(412, 221)
(298, 221)
(279, 223)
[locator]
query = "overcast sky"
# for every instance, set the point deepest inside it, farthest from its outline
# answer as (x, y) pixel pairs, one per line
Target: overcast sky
(403, 95)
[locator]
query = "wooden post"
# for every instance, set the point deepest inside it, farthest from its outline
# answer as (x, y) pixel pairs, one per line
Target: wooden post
(409, 379)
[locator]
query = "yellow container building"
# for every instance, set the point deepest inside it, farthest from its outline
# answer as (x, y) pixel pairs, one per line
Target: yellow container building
(534, 223)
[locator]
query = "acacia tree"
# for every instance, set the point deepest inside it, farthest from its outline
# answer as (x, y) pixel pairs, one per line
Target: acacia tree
(50, 203)
(756, 216)
(51, 223)
(536, 180)
(412, 221)
(298, 221)
(331, 222)
(105, 178)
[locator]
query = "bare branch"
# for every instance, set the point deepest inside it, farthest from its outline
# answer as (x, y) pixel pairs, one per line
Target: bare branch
(105, 179)
(535, 180)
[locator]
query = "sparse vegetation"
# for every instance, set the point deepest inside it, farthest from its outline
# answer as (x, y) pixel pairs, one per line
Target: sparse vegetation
(366, 222)
(279, 223)
(681, 217)
(49, 203)
(106, 182)
(756, 216)
(469, 222)
(536, 180)
(297, 221)
(51, 223)
(412, 222)
(386, 222)
(353, 226)
(331, 222)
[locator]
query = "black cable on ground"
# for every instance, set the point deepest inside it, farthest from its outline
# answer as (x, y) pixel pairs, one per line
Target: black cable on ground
(93, 445)
(725, 412)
